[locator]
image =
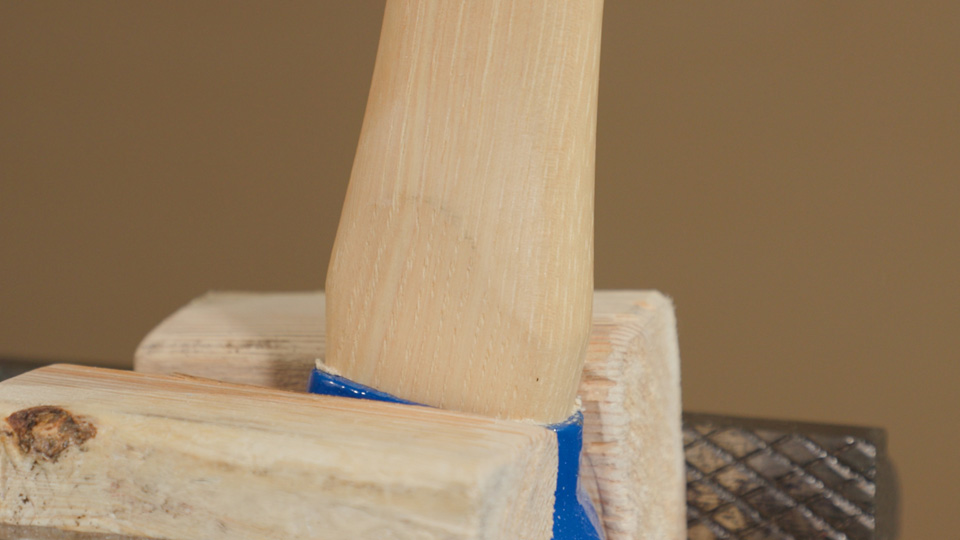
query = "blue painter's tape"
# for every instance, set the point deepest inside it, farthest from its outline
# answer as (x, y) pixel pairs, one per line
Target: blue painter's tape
(329, 384)
(574, 517)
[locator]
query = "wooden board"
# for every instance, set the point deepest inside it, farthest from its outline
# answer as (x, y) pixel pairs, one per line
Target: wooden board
(113, 452)
(630, 388)
(271, 340)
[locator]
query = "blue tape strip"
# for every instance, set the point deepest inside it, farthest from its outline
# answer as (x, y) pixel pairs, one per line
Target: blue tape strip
(574, 517)
(329, 384)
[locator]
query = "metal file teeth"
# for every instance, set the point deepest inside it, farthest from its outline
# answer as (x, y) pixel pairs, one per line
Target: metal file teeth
(767, 480)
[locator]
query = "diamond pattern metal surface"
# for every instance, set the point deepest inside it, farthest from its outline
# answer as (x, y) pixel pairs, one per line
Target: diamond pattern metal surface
(757, 480)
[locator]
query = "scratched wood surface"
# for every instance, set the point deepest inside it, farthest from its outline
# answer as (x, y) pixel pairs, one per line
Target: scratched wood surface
(115, 452)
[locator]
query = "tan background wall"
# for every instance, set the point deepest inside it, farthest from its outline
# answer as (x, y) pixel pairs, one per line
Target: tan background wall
(788, 171)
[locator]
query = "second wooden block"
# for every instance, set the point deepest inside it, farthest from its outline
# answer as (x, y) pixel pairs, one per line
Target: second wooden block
(630, 386)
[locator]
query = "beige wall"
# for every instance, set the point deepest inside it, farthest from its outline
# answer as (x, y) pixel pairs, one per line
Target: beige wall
(788, 171)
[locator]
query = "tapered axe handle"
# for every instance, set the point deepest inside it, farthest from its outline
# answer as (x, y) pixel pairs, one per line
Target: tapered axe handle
(462, 272)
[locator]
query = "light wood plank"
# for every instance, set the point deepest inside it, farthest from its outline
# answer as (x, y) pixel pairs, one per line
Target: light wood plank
(106, 451)
(630, 389)
(271, 340)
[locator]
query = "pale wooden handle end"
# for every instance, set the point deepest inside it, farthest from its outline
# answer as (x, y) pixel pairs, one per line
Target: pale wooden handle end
(462, 273)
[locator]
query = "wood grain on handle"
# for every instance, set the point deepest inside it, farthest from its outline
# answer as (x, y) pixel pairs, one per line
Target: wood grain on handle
(462, 272)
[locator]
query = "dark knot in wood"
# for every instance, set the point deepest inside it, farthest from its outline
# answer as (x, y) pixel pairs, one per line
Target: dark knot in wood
(47, 431)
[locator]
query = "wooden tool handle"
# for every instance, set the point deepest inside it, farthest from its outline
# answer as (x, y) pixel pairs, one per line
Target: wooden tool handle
(462, 272)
